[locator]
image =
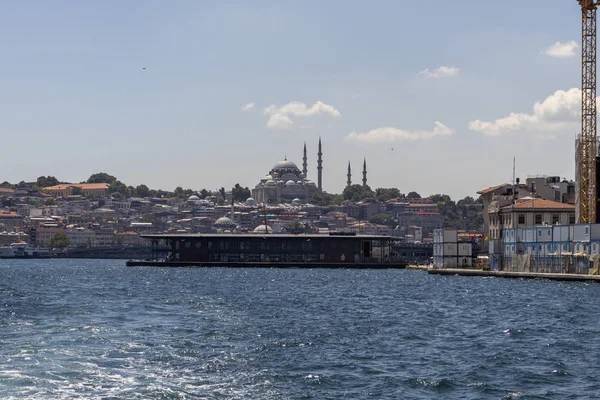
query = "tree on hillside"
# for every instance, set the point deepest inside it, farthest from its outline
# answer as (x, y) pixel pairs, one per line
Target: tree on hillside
(119, 187)
(383, 219)
(101, 177)
(466, 214)
(45, 181)
(178, 192)
(385, 194)
(357, 193)
(326, 199)
(204, 193)
(142, 191)
(240, 194)
(413, 195)
(59, 240)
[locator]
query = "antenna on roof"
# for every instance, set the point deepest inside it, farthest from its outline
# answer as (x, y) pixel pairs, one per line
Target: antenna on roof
(513, 180)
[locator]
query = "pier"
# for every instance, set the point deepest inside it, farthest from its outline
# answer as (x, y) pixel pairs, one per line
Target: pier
(513, 275)
(262, 264)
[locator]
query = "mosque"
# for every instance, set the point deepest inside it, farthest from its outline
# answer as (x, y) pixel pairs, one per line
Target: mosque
(285, 183)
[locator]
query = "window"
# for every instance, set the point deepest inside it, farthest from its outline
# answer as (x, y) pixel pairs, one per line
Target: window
(521, 219)
(571, 219)
(555, 219)
(538, 219)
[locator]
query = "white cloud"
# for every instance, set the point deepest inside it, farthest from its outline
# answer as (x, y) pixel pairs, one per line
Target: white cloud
(440, 72)
(248, 106)
(562, 50)
(279, 117)
(390, 134)
(559, 111)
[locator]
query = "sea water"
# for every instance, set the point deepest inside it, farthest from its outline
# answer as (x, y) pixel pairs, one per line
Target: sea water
(98, 329)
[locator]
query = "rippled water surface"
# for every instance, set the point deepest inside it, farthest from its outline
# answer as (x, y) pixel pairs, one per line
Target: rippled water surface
(98, 329)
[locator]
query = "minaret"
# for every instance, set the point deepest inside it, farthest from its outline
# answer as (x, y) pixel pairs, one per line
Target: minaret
(365, 172)
(320, 168)
(304, 162)
(349, 182)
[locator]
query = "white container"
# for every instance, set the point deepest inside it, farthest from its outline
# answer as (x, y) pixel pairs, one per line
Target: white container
(579, 247)
(450, 235)
(529, 235)
(465, 262)
(450, 262)
(544, 233)
(508, 235)
(581, 233)
(438, 236)
(595, 232)
(450, 249)
(561, 233)
(438, 249)
(493, 246)
(465, 249)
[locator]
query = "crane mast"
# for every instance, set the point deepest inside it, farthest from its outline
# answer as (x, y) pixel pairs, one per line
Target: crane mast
(587, 145)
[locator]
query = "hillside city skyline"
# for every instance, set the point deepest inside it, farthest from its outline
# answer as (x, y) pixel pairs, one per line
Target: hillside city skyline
(209, 94)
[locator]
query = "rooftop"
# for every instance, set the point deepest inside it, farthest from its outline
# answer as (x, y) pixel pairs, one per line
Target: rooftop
(83, 186)
(492, 189)
(527, 204)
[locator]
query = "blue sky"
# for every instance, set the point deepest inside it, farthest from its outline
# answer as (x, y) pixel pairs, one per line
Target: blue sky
(365, 76)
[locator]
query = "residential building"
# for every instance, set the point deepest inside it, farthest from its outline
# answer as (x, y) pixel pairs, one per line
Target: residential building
(529, 212)
(91, 190)
(498, 197)
(10, 220)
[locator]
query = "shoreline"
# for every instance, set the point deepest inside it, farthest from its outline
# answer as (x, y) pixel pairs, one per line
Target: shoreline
(513, 275)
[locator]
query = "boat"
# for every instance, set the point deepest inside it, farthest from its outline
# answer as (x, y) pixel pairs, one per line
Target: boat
(23, 250)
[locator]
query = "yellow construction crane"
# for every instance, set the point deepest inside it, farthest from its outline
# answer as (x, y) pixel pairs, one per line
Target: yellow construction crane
(586, 148)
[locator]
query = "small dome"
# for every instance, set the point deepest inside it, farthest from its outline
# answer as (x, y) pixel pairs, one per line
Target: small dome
(224, 222)
(263, 229)
(250, 201)
(193, 198)
(296, 201)
(285, 164)
(271, 182)
(267, 178)
(290, 183)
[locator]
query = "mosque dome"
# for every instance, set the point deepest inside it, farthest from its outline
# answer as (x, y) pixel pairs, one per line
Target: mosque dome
(224, 222)
(285, 164)
(263, 229)
(250, 201)
(193, 198)
(296, 201)
(290, 183)
(271, 182)
(267, 178)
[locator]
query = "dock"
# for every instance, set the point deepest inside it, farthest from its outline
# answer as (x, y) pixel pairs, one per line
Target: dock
(262, 264)
(417, 267)
(513, 275)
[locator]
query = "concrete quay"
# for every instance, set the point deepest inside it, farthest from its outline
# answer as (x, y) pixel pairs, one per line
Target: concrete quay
(513, 275)
(263, 264)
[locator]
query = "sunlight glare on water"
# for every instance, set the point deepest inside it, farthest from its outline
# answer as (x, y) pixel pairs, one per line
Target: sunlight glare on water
(94, 328)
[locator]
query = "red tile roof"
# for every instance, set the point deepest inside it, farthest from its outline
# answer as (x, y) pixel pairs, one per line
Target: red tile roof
(83, 186)
(493, 188)
(527, 204)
